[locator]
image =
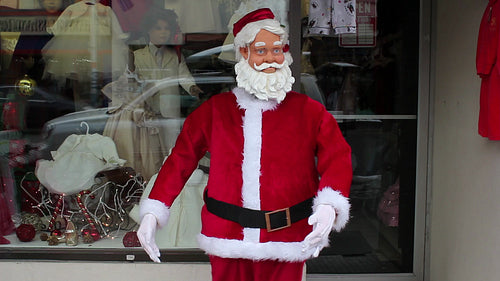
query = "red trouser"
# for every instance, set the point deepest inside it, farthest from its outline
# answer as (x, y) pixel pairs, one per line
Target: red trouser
(247, 270)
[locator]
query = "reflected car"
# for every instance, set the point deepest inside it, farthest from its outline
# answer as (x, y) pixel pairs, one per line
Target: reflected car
(57, 130)
(211, 81)
(39, 107)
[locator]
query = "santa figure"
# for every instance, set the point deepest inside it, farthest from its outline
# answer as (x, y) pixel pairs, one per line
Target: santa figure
(280, 169)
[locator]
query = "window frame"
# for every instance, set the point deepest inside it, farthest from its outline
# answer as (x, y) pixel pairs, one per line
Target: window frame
(423, 175)
(423, 149)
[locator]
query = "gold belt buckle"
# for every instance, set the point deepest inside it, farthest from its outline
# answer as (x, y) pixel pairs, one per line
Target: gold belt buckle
(268, 219)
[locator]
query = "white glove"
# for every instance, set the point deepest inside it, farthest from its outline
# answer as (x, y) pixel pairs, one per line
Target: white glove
(146, 234)
(322, 221)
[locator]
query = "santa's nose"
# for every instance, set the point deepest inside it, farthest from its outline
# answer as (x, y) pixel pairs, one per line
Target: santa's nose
(269, 57)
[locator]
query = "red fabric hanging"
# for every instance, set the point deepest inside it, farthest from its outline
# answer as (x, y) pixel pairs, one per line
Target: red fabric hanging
(130, 13)
(488, 68)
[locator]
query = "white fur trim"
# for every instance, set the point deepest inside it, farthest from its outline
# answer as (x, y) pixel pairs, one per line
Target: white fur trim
(247, 101)
(252, 134)
(250, 168)
(341, 204)
(230, 248)
(156, 208)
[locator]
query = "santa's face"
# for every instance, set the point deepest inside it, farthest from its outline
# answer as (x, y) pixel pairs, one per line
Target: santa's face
(265, 53)
(263, 70)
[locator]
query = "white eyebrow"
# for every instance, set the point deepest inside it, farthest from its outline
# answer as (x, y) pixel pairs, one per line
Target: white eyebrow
(259, 44)
(277, 43)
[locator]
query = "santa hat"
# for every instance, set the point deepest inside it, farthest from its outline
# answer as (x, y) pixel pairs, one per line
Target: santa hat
(257, 15)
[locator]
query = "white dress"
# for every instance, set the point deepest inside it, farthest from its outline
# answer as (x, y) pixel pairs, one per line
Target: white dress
(134, 128)
(79, 41)
(76, 162)
(184, 223)
(197, 16)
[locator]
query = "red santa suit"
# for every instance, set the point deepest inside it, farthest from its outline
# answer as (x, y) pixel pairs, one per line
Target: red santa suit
(488, 68)
(263, 156)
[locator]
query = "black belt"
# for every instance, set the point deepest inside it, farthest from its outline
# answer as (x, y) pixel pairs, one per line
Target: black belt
(270, 220)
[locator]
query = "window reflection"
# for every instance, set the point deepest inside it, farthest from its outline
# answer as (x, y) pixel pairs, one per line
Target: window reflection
(367, 81)
(98, 65)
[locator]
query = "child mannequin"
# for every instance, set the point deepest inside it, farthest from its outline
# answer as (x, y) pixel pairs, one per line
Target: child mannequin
(144, 133)
(159, 60)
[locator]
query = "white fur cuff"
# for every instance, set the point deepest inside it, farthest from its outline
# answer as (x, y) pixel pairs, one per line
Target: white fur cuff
(156, 208)
(341, 204)
(238, 249)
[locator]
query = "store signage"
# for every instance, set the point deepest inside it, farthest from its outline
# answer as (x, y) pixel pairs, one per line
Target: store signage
(366, 26)
(28, 21)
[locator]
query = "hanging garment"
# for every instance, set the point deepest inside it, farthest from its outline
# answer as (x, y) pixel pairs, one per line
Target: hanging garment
(76, 162)
(328, 15)
(197, 16)
(130, 13)
(488, 68)
(184, 223)
(136, 131)
(168, 77)
(72, 51)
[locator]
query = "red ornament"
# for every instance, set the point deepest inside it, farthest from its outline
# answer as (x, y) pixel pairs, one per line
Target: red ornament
(131, 240)
(92, 232)
(57, 212)
(25, 232)
(86, 213)
(56, 232)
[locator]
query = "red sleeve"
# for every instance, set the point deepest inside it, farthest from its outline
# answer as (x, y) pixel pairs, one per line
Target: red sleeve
(334, 156)
(190, 147)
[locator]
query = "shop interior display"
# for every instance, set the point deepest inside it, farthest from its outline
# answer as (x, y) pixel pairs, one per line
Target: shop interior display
(370, 88)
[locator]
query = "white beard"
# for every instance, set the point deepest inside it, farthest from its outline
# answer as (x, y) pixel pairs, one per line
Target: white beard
(263, 85)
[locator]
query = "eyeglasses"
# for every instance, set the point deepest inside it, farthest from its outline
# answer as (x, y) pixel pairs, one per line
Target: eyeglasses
(262, 51)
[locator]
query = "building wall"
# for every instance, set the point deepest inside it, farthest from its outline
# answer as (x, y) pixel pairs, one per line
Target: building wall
(103, 271)
(85, 271)
(465, 213)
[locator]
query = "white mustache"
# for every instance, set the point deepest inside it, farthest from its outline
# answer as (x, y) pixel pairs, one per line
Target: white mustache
(265, 65)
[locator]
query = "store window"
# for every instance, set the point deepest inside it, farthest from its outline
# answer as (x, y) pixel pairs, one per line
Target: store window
(369, 81)
(91, 107)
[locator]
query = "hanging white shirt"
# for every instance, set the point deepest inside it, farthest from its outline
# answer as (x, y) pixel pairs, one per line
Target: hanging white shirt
(328, 15)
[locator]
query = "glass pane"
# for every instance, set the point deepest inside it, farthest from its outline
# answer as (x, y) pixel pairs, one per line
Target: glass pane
(86, 125)
(64, 78)
(368, 81)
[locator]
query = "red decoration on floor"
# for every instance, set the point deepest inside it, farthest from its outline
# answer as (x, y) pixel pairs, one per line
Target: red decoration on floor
(87, 215)
(92, 232)
(131, 240)
(57, 212)
(25, 232)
